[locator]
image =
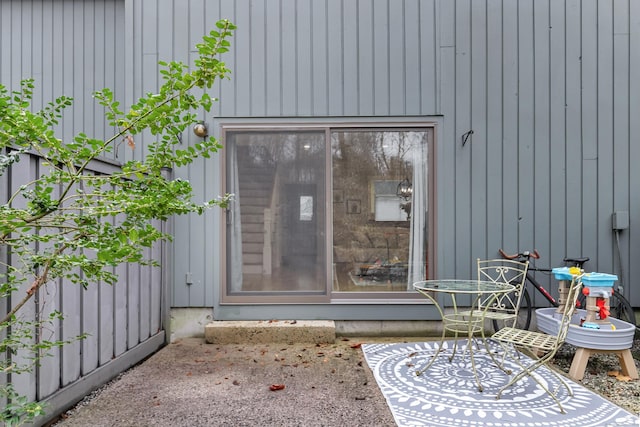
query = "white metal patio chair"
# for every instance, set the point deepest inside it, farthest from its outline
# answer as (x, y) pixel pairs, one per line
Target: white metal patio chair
(540, 347)
(503, 308)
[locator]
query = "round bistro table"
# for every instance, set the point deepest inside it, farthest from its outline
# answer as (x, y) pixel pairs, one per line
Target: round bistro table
(467, 325)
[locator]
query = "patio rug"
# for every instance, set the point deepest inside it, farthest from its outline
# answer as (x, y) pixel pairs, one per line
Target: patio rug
(447, 395)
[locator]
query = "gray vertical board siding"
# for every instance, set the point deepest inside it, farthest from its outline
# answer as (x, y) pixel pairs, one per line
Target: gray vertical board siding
(121, 310)
(24, 383)
(227, 10)
(447, 147)
(605, 131)
(91, 305)
(258, 60)
(90, 315)
(412, 42)
(397, 60)
(555, 116)
(319, 63)
(589, 130)
(288, 61)
(350, 55)
(365, 55)
(558, 191)
(106, 322)
(573, 101)
(633, 233)
(304, 54)
(494, 131)
(462, 162)
(71, 305)
(5, 44)
(48, 301)
(157, 295)
(525, 122)
(621, 122)
(541, 178)
(381, 62)
(69, 48)
(133, 305)
(333, 58)
(509, 123)
(48, 371)
(145, 298)
(4, 261)
(242, 63)
(478, 144)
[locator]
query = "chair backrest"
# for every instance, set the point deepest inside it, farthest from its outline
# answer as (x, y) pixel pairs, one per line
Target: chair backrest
(504, 271)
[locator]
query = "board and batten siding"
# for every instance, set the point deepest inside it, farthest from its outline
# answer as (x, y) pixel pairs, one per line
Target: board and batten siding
(546, 86)
(72, 48)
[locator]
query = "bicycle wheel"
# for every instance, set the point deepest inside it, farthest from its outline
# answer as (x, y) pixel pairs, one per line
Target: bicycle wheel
(619, 307)
(524, 314)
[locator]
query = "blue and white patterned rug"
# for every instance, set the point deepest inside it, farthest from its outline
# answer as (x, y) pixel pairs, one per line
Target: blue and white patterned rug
(447, 395)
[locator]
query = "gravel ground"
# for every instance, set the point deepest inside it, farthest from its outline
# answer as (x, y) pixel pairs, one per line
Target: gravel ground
(191, 383)
(599, 376)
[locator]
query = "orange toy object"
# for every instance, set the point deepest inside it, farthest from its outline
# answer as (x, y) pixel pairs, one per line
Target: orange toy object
(604, 312)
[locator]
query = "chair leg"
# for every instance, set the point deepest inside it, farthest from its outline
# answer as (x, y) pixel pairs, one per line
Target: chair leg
(495, 362)
(528, 370)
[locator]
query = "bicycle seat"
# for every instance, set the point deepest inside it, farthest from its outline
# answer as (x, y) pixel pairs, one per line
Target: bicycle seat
(577, 261)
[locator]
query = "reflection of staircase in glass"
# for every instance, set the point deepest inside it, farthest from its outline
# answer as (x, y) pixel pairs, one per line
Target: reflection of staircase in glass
(256, 188)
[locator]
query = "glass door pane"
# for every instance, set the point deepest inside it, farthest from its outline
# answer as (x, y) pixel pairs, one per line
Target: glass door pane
(379, 209)
(276, 239)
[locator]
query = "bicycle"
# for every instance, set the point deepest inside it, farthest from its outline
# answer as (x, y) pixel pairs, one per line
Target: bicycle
(620, 307)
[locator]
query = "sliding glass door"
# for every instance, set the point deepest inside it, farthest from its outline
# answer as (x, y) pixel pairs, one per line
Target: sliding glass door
(325, 212)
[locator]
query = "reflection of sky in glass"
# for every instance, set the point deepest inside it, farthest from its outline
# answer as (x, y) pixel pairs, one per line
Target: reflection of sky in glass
(306, 208)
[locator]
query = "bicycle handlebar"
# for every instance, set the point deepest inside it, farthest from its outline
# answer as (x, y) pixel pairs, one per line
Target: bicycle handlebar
(525, 254)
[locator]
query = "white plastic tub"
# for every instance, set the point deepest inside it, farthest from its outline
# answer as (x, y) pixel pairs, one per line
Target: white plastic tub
(604, 338)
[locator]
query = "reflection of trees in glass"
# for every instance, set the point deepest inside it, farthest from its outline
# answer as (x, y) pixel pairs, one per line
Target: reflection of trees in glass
(359, 158)
(296, 154)
(375, 153)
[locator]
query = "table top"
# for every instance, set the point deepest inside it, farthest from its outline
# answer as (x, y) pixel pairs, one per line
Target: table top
(462, 286)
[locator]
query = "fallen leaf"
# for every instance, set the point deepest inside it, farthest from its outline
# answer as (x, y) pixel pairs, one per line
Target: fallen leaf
(412, 354)
(275, 387)
(613, 373)
(236, 382)
(357, 345)
(623, 378)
